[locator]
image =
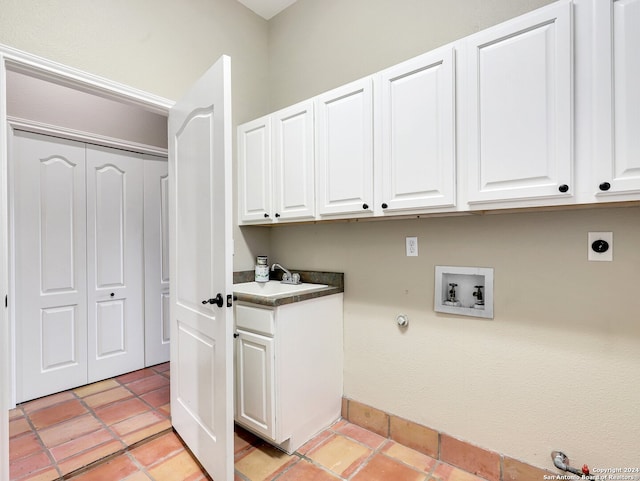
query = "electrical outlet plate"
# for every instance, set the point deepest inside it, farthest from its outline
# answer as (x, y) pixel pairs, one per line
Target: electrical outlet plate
(600, 256)
(412, 246)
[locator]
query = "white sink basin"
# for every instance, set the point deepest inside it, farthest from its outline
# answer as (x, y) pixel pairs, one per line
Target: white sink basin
(274, 288)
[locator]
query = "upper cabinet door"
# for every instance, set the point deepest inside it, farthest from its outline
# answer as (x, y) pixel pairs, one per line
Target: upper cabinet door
(519, 107)
(344, 135)
(417, 132)
(254, 171)
(617, 111)
(293, 162)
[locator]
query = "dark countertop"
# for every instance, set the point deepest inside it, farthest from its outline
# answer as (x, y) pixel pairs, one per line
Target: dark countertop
(334, 281)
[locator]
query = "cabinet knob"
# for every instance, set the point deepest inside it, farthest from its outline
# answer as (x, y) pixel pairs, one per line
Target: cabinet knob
(605, 186)
(563, 188)
(112, 294)
(365, 206)
(384, 205)
(266, 216)
(277, 215)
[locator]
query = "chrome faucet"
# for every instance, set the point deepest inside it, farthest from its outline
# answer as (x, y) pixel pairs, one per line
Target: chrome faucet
(287, 277)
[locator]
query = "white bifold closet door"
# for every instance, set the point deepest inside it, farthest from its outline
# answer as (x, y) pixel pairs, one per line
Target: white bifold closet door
(50, 264)
(115, 262)
(156, 261)
(79, 265)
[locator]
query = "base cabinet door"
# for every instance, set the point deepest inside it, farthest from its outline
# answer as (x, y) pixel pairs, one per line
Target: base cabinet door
(518, 112)
(617, 68)
(255, 394)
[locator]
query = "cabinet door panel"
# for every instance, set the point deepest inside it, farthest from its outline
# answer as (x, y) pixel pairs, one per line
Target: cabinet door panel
(519, 88)
(617, 70)
(344, 136)
(626, 39)
(50, 255)
(418, 132)
(293, 162)
(115, 272)
(255, 395)
(254, 171)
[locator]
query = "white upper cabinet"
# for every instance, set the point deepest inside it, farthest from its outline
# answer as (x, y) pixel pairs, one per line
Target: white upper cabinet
(254, 171)
(530, 112)
(293, 162)
(415, 118)
(518, 96)
(617, 98)
(344, 159)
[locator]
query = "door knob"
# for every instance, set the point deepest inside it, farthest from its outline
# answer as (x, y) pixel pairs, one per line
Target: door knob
(216, 300)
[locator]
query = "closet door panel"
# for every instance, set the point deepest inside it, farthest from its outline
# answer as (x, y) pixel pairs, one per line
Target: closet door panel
(110, 326)
(48, 177)
(115, 262)
(109, 218)
(156, 266)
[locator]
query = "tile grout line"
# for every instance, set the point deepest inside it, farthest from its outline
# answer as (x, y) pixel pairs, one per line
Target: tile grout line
(91, 411)
(124, 451)
(45, 450)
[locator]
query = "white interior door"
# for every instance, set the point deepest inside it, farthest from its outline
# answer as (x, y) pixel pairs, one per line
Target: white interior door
(156, 261)
(50, 256)
(114, 262)
(201, 269)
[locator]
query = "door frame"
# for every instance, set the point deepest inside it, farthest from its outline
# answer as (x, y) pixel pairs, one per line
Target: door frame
(20, 61)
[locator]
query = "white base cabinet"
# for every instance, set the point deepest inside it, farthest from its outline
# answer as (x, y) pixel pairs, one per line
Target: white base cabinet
(289, 369)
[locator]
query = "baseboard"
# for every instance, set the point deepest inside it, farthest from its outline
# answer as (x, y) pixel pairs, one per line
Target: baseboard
(473, 459)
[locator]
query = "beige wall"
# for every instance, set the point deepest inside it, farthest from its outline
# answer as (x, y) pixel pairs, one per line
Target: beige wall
(558, 366)
(316, 45)
(159, 46)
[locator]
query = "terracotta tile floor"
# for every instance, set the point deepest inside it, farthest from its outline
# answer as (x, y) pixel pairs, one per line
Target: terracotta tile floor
(56, 435)
(107, 418)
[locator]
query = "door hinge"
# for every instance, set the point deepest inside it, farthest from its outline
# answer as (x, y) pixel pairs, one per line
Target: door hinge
(6, 301)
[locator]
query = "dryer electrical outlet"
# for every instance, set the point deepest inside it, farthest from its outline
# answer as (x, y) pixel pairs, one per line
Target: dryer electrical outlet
(600, 246)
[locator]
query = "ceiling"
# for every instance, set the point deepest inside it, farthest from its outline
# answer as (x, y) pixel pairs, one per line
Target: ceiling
(267, 8)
